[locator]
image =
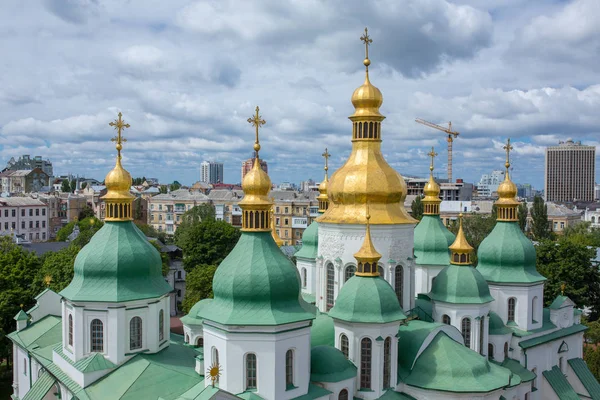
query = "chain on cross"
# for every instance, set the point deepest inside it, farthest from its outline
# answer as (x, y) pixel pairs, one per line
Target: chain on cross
(257, 122)
(508, 148)
(432, 154)
(119, 125)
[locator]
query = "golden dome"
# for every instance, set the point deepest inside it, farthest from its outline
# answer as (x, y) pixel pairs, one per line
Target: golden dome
(506, 205)
(118, 179)
(367, 256)
(256, 182)
(367, 99)
(507, 190)
(431, 201)
(323, 198)
(460, 250)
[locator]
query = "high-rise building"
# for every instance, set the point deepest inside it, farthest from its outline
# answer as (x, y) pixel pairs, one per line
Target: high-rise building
(488, 184)
(247, 166)
(570, 172)
(211, 172)
(27, 162)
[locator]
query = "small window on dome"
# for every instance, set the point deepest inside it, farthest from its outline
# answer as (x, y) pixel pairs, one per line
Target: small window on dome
(446, 319)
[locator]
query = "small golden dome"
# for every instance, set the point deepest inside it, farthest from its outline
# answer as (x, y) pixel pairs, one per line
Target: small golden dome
(507, 189)
(460, 245)
(367, 99)
(367, 256)
(431, 189)
(118, 179)
(256, 182)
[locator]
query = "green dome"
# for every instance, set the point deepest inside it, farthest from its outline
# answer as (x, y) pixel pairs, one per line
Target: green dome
(310, 242)
(328, 364)
(191, 318)
(507, 256)
(367, 299)
(431, 241)
(256, 284)
(497, 326)
(460, 284)
(322, 332)
(118, 264)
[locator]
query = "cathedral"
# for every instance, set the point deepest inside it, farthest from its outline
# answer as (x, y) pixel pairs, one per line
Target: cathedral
(378, 306)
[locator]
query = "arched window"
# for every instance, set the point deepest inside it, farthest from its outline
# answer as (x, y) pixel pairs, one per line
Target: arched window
(365, 363)
(96, 336)
(251, 371)
(399, 282)
(178, 274)
(161, 325)
(534, 384)
(344, 347)
(187, 338)
(343, 395)
(200, 342)
(135, 333)
(466, 330)
(512, 302)
(381, 271)
(446, 319)
(349, 272)
(561, 363)
(505, 349)
(387, 363)
(490, 351)
(215, 357)
(70, 329)
(481, 333)
(329, 288)
(25, 366)
(593, 220)
(534, 314)
(303, 277)
(289, 368)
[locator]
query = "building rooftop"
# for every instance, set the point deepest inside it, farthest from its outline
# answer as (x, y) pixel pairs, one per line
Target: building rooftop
(20, 202)
(181, 194)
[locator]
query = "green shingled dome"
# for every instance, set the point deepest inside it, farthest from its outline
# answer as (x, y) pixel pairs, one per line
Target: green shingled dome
(256, 284)
(367, 299)
(310, 242)
(322, 332)
(118, 264)
(507, 256)
(497, 326)
(431, 241)
(328, 364)
(460, 284)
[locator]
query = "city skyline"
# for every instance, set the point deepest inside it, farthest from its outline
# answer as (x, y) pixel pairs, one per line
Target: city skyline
(187, 101)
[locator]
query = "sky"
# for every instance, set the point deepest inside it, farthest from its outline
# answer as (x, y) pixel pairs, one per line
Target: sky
(188, 74)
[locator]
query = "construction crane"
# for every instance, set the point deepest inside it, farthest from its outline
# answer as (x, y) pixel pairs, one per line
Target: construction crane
(451, 136)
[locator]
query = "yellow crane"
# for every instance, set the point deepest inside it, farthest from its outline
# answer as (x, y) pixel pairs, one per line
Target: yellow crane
(451, 136)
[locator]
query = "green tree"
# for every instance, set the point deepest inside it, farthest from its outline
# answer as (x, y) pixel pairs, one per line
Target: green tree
(87, 228)
(416, 208)
(476, 227)
(83, 185)
(174, 186)
(58, 266)
(592, 335)
(540, 228)
(591, 355)
(198, 285)
(569, 263)
(73, 185)
(87, 212)
(583, 233)
(203, 212)
(522, 212)
(163, 189)
(207, 242)
(65, 186)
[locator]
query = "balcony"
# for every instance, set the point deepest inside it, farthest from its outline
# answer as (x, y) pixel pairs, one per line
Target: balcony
(299, 222)
(179, 209)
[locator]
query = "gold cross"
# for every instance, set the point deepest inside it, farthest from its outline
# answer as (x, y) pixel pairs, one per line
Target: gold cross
(432, 154)
(508, 148)
(119, 125)
(367, 41)
(257, 121)
(326, 155)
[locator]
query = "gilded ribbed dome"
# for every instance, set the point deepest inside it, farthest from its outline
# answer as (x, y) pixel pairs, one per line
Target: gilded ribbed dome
(367, 99)
(507, 190)
(432, 189)
(256, 182)
(118, 179)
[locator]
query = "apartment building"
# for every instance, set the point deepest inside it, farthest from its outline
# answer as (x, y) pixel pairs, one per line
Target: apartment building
(226, 205)
(449, 191)
(570, 172)
(23, 181)
(28, 162)
(24, 216)
(293, 212)
(211, 172)
(165, 210)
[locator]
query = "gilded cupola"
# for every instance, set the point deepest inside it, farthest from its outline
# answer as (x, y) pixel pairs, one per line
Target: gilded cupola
(367, 256)
(366, 176)
(118, 198)
(322, 198)
(431, 201)
(507, 203)
(256, 204)
(460, 250)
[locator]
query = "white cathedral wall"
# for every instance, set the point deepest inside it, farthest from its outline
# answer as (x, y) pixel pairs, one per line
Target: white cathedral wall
(270, 344)
(310, 266)
(457, 312)
(528, 316)
(498, 342)
(21, 381)
(424, 275)
(336, 387)
(339, 242)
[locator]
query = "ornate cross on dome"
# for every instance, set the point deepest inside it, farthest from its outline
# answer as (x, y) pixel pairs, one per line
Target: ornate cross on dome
(119, 125)
(257, 121)
(432, 154)
(326, 155)
(508, 148)
(366, 39)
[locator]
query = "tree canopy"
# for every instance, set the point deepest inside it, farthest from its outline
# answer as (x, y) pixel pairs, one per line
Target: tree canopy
(476, 228)
(87, 228)
(198, 285)
(540, 227)
(522, 212)
(416, 208)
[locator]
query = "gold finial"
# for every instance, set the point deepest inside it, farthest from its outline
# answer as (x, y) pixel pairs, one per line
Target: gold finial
(47, 280)
(367, 41)
(214, 371)
(119, 125)
(256, 121)
(326, 155)
(432, 154)
(431, 201)
(367, 257)
(562, 289)
(323, 198)
(508, 148)
(507, 192)
(21, 305)
(460, 250)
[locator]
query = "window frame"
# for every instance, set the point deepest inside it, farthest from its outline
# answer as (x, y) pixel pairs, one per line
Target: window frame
(135, 333)
(251, 371)
(96, 336)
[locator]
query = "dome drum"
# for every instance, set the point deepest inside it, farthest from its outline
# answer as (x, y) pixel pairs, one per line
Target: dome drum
(366, 130)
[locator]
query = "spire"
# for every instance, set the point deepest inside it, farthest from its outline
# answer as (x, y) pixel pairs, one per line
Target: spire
(323, 198)
(507, 191)
(367, 257)
(256, 204)
(367, 99)
(460, 250)
(274, 233)
(431, 201)
(118, 198)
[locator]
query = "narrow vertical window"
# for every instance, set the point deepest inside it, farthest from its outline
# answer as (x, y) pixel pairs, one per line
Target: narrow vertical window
(387, 363)
(343, 395)
(215, 357)
(250, 371)
(161, 325)
(399, 282)
(97, 336)
(490, 351)
(329, 288)
(381, 271)
(349, 272)
(511, 309)
(534, 317)
(344, 347)
(70, 330)
(25, 366)
(446, 319)
(289, 368)
(506, 350)
(304, 277)
(365, 363)
(135, 333)
(481, 333)
(466, 331)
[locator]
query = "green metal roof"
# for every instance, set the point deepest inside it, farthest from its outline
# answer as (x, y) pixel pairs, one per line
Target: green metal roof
(412, 335)
(516, 368)
(507, 256)
(118, 264)
(46, 331)
(192, 318)
(460, 284)
(558, 302)
(309, 297)
(314, 392)
(560, 385)
(310, 242)
(497, 326)
(94, 362)
(40, 387)
(367, 299)
(328, 364)
(586, 377)
(536, 341)
(21, 316)
(547, 325)
(393, 395)
(322, 331)
(256, 284)
(423, 308)
(431, 241)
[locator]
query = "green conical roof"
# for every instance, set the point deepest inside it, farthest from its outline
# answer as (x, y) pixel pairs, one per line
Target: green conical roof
(256, 284)
(322, 331)
(21, 316)
(431, 241)
(328, 364)
(310, 242)
(118, 264)
(497, 326)
(507, 256)
(367, 299)
(460, 284)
